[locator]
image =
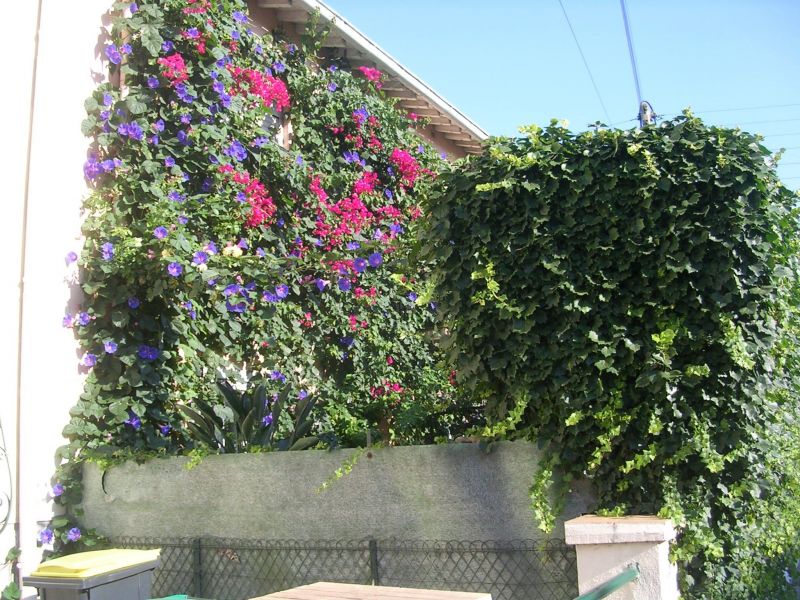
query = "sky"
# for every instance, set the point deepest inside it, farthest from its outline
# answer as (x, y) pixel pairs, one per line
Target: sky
(506, 63)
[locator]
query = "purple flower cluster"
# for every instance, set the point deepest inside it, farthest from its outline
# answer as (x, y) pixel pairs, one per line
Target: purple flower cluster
(146, 352)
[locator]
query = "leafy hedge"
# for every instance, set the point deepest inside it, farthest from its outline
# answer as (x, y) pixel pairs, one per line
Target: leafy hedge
(628, 299)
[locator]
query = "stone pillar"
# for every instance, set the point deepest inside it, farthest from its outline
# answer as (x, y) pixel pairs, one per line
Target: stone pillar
(606, 546)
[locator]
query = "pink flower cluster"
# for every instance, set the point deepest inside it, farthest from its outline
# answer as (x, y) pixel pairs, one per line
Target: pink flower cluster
(261, 204)
(196, 7)
(373, 75)
(271, 90)
(174, 68)
(386, 388)
(406, 164)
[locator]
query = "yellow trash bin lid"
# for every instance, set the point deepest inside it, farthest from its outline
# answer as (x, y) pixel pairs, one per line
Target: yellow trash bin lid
(97, 562)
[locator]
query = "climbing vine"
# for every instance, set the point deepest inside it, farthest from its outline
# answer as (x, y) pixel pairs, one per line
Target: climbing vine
(638, 290)
(252, 212)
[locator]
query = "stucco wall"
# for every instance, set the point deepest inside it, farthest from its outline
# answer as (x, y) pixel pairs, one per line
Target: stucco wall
(444, 492)
(42, 223)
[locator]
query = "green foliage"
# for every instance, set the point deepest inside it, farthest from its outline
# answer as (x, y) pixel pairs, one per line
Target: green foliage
(11, 591)
(640, 287)
(248, 421)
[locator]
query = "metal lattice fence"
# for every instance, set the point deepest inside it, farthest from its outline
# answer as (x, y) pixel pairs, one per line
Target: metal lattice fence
(238, 569)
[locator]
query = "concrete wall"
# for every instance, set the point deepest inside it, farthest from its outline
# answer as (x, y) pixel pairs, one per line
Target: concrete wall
(444, 492)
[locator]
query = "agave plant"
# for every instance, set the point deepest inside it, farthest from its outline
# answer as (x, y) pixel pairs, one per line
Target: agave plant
(251, 420)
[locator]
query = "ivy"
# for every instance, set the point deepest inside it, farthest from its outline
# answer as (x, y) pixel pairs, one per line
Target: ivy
(639, 289)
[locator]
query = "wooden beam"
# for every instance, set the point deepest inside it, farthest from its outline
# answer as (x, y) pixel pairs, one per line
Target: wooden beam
(462, 137)
(334, 41)
(292, 16)
(400, 93)
(276, 3)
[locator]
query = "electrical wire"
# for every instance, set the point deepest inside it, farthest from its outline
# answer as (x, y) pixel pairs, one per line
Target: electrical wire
(767, 121)
(585, 62)
(633, 54)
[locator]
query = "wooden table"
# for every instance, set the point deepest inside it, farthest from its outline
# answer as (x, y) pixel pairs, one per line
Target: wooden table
(324, 590)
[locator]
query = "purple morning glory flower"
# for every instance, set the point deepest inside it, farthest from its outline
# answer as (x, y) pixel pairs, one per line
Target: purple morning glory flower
(134, 8)
(74, 534)
(199, 258)
(169, 162)
(183, 138)
(192, 33)
(299, 160)
(270, 297)
(91, 168)
(333, 68)
(302, 395)
(108, 99)
(152, 82)
(291, 48)
(183, 93)
(183, 219)
(46, 536)
(158, 125)
(175, 269)
(361, 113)
(235, 35)
(412, 296)
(359, 265)
(153, 139)
(281, 291)
(89, 360)
(110, 346)
(236, 151)
(160, 232)
(58, 490)
(125, 49)
(353, 245)
(267, 420)
(71, 257)
(321, 284)
(167, 46)
(375, 259)
(134, 302)
(261, 252)
(176, 196)
(107, 250)
(107, 165)
(347, 341)
(396, 228)
(211, 248)
(67, 320)
(239, 16)
(388, 193)
(133, 420)
(260, 142)
(165, 429)
(277, 376)
(332, 87)
(344, 284)
(148, 352)
(280, 222)
(186, 118)
(84, 319)
(113, 54)
(351, 156)
(242, 243)
(278, 66)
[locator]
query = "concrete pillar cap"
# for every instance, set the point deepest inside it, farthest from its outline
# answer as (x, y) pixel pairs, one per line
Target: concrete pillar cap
(592, 529)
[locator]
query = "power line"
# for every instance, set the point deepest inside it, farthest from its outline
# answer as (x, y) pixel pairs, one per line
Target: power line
(633, 58)
(585, 62)
(768, 121)
(772, 135)
(719, 110)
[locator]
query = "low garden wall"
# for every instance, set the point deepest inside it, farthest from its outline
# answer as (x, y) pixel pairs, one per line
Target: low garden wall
(442, 492)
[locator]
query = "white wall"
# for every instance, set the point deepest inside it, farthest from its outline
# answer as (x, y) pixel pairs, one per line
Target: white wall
(68, 67)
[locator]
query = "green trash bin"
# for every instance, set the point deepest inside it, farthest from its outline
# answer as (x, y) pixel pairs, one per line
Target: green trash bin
(116, 574)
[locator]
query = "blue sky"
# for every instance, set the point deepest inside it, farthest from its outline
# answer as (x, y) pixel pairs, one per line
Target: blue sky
(506, 63)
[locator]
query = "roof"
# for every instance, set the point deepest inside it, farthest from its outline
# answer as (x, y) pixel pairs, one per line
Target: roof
(447, 124)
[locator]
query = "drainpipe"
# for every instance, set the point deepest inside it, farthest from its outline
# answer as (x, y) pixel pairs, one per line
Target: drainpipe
(18, 445)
